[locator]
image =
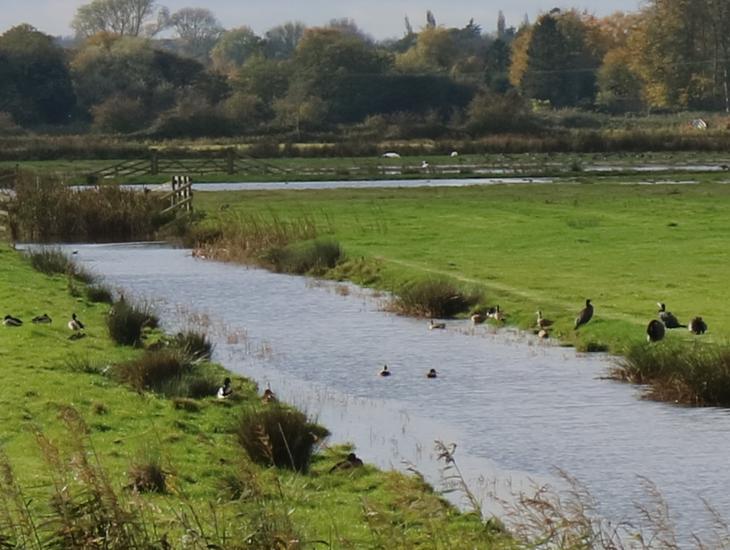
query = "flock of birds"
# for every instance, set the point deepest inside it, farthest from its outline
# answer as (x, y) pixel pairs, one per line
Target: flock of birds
(74, 324)
(655, 330)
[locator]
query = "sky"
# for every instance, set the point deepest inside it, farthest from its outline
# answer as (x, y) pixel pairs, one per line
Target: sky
(380, 19)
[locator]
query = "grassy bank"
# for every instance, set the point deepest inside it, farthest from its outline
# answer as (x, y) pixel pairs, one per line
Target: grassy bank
(531, 247)
(68, 403)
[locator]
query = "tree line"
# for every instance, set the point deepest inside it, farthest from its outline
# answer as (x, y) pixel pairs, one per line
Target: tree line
(136, 68)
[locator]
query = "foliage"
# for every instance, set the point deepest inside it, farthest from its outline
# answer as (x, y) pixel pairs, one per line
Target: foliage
(126, 322)
(234, 48)
(193, 344)
(280, 437)
(119, 115)
(494, 113)
(308, 257)
(121, 17)
(436, 298)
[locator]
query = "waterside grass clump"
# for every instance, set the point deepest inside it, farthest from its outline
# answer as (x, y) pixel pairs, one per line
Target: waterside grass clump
(126, 322)
(436, 297)
(279, 436)
(193, 344)
(53, 261)
(311, 257)
(691, 373)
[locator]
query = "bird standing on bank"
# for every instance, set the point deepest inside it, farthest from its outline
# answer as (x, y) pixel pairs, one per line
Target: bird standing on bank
(352, 461)
(585, 314)
(697, 326)
(655, 331)
(75, 323)
(541, 321)
(667, 317)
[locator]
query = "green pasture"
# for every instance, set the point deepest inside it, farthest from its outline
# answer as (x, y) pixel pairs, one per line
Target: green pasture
(532, 246)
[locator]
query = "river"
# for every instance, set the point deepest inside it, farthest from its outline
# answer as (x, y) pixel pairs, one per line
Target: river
(517, 408)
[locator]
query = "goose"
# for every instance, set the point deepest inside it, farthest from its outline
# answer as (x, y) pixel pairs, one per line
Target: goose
(352, 461)
(42, 319)
(225, 391)
(425, 165)
(10, 321)
(384, 371)
(434, 325)
(75, 324)
(454, 154)
(541, 321)
(667, 317)
(432, 374)
(585, 314)
(697, 326)
(655, 331)
(497, 314)
(391, 155)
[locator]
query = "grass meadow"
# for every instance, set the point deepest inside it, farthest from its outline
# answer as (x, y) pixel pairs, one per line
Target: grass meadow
(530, 247)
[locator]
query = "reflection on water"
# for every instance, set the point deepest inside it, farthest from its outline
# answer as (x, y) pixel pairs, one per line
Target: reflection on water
(516, 407)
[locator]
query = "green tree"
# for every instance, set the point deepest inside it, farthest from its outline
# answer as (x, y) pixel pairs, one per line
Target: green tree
(234, 48)
(35, 83)
(122, 17)
(281, 42)
(197, 29)
(619, 86)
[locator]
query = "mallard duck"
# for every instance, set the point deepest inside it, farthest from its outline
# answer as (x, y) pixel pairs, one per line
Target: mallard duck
(225, 391)
(477, 319)
(655, 331)
(384, 371)
(10, 321)
(541, 321)
(543, 333)
(75, 323)
(432, 374)
(268, 396)
(585, 314)
(697, 326)
(667, 317)
(42, 319)
(352, 461)
(434, 325)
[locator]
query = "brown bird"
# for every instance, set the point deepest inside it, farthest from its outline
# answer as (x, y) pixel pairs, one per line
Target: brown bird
(352, 461)
(697, 326)
(541, 321)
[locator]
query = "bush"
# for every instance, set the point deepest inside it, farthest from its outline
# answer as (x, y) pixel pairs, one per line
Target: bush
(99, 294)
(126, 322)
(193, 344)
(119, 115)
(311, 257)
(433, 298)
(147, 475)
(52, 261)
(280, 437)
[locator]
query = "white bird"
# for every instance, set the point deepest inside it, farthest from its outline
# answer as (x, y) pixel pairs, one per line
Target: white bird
(75, 324)
(391, 155)
(454, 154)
(425, 165)
(434, 325)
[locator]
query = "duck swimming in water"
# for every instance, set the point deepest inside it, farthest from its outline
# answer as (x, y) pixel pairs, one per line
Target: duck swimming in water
(585, 314)
(10, 321)
(697, 326)
(655, 331)
(384, 371)
(477, 319)
(667, 317)
(432, 374)
(434, 325)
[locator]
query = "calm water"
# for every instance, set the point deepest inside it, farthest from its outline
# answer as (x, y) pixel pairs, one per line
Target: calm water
(515, 407)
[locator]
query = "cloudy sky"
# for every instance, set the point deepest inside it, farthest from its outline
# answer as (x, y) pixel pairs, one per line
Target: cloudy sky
(382, 19)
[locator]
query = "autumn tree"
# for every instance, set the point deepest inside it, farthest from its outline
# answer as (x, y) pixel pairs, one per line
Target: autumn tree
(234, 48)
(280, 42)
(197, 29)
(122, 17)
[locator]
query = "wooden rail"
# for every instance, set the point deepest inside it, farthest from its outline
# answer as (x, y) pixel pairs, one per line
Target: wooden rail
(181, 196)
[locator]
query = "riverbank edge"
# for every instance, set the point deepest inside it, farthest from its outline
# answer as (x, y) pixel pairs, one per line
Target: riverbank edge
(402, 488)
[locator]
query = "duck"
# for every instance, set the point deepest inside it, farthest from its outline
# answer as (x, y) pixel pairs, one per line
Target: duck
(543, 333)
(10, 321)
(434, 325)
(75, 323)
(585, 314)
(655, 331)
(477, 319)
(541, 321)
(384, 371)
(268, 396)
(667, 317)
(225, 391)
(352, 461)
(432, 374)
(425, 165)
(42, 319)
(697, 325)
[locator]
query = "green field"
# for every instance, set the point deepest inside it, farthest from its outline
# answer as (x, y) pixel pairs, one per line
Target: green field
(532, 246)
(44, 373)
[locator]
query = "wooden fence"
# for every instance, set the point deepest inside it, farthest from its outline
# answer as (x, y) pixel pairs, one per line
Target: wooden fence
(181, 196)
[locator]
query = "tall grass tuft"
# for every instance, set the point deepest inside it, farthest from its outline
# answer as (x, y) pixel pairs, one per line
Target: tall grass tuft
(280, 437)
(314, 257)
(693, 373)
(99, 294)
(53, 261)
(194, 344)
(147, 474)
(433, 298)
(126, 322)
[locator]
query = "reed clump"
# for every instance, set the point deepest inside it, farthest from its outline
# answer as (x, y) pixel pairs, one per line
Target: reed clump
(433, 298)
(53, 261)
(691, 373)
(314, 257)
(99, 294)
(280, 437)
(126, 322)
(193, 344)
(147, 475)
(167, 372)
(47, 210)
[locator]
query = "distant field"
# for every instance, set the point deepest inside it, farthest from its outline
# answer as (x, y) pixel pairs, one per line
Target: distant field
(535, 246)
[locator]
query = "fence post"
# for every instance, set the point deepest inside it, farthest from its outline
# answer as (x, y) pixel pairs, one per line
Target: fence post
(154, 166)
(231, 160)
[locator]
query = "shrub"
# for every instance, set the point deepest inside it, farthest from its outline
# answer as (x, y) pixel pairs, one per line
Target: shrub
(53, 261)
(119, 115)
(147, 475)
(433, 298)
(126, 322)
(278, 436)
(310, 257)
